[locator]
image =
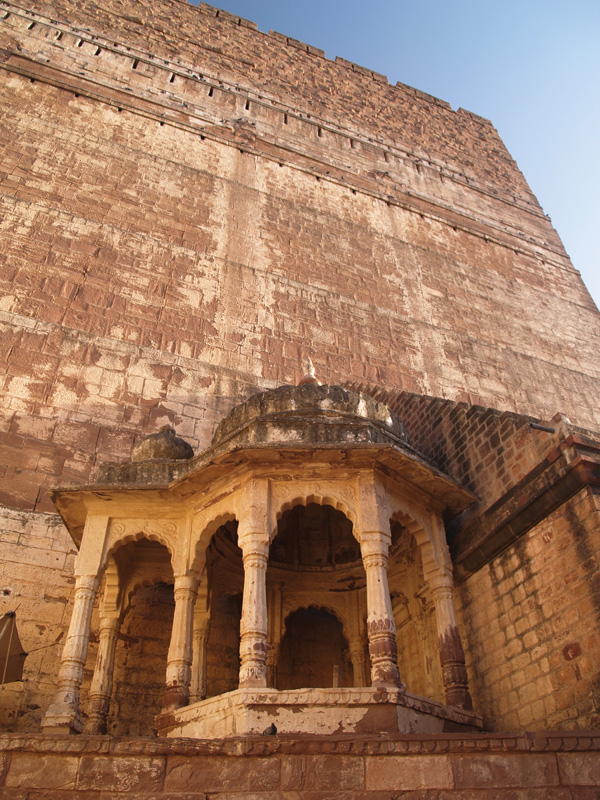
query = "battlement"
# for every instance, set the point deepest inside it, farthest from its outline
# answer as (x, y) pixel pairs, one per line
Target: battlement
(340, 91)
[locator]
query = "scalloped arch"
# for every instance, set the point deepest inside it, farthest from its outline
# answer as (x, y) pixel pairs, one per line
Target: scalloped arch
(421, 537)
(206, 535)
(152, 536)
(335, 612)
(132, 589)
(320, 500)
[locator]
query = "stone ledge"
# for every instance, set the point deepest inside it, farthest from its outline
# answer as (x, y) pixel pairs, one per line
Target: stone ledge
(371, 744)
(522, 766)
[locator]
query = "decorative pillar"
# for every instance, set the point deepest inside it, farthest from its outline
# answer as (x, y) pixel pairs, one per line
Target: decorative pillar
(274, 610)
(101, 687)
(254, 624)
(357, 657)
(272, 661)
(381, 628)
(179, 659)
(199, 640)
(63, 713)
(452, 656)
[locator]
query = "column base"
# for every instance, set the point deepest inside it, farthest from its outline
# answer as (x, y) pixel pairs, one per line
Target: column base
(95, 727)
(175, 697)
(253, 683)
(459, 697)
(57, 720)
(387, 675)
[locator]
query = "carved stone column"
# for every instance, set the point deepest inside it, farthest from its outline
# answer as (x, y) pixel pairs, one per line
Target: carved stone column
(254, 624)
(357, 657)
(200, 638)
(381, 628)
(63, 713)
(452, 656)
(179, 659)
(101, 687)
(275, 622)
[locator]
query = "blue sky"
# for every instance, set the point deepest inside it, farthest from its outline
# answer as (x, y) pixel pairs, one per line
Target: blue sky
(532, 67)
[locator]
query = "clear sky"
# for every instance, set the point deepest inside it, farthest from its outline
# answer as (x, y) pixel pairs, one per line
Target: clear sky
(531, 66)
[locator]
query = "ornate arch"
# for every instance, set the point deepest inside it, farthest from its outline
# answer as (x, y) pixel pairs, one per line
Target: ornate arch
(202, 542)
(122, 532)
(334, 610)
(434, 554)
(124, 577)
(285, 497)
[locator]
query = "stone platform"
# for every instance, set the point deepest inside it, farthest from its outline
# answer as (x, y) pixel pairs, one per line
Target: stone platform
(357, 710)
(537, 766)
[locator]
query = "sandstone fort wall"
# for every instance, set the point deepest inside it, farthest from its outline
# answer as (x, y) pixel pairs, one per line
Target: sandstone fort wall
(189, 208)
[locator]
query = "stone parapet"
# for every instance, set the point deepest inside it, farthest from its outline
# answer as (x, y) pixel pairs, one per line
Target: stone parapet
(327, 712)
(520, 765)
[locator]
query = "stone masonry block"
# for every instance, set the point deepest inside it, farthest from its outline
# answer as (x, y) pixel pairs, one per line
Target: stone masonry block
(483, 771)
(143, 774)
(326, 773)
(36, 771)
(408, 773)
(579, 769)
(214, 774)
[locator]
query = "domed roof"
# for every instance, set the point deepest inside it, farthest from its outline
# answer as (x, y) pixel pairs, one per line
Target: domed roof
(162, 445)
(310, 414)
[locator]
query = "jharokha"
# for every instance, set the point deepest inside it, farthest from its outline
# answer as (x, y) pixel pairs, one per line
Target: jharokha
(236, 574)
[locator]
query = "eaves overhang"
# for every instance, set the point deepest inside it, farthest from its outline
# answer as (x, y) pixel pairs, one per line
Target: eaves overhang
(157, 485)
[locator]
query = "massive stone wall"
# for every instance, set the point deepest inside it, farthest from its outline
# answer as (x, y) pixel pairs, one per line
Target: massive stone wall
(533, 646)
(190, 206)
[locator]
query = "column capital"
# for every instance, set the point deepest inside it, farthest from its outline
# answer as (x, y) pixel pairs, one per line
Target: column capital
(375, 543)
(253, 513)
(186, 582)
(89, 582)
(441, 583)
(254, 543)
(109, 620)
(373, 503)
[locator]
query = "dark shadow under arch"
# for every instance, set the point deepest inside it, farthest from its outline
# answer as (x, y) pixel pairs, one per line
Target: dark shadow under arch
(312, 646)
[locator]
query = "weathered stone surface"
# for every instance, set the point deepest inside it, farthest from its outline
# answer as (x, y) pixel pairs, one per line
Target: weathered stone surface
(33, 771)
(579, 769)
(505, 770)
(219, 774)
(408, 773)
(339, 773)
(162, 445)
(180, 227)
(305, 768)
(122, 774)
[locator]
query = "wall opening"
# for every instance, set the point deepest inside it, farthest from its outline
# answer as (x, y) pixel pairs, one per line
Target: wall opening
(316, 590)
(225, 574)
(314, 651)
(141, 661)
(414, 616)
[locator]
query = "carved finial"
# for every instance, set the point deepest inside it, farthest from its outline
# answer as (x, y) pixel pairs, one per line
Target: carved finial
(309, 375)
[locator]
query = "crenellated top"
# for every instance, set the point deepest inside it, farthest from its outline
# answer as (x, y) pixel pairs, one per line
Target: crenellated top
(299, 75)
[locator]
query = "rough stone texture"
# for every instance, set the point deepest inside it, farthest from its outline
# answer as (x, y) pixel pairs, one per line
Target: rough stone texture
(162, 313)
(188, 206)
(141, 659)
(288, 768)
(533, 648)
(36, 571)
(161, 445)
